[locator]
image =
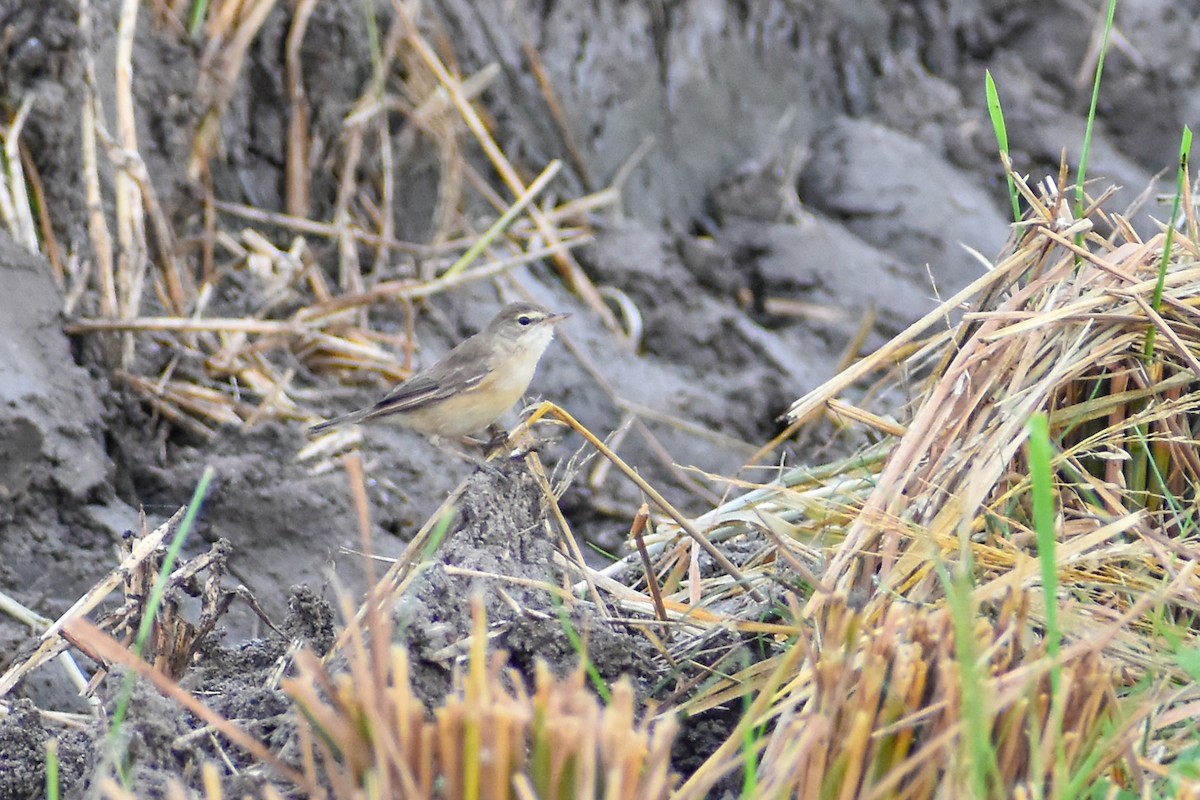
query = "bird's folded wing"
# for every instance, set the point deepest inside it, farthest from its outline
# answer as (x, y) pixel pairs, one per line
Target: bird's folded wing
(421, 390)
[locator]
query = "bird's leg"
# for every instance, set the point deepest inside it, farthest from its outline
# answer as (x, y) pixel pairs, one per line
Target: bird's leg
(454, 448)
(461, 449)
(497, 440)
(514, 445)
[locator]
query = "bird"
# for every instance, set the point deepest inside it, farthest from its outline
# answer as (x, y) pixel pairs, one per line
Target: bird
(473, 385)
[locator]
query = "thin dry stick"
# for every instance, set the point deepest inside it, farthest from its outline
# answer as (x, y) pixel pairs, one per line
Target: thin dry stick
(548, 408)
(208, 246)
(803, 408)
(130, 163)
(221, 63)
(45, 221)
(373, 621)
(1182, 349)
(634, 413)
(558, 115)
(409, 290)
(534, 462)
(297, 177)
(563, 594)
(21, 224)
(127, 198)
(350, 277)
(787, 433)
(50, 642)
(98, 233)
(570, 269)
(329, 230)
(844, 412)
(782, 549)
(387, 214)
(635, 532)
(222, 324)
(358, 492)
(481, 244)
(400, 568)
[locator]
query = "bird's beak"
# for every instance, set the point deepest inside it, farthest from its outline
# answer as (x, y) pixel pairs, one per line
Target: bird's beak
(554, 319)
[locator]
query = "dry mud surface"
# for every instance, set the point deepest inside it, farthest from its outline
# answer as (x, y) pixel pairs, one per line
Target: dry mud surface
(835, 161)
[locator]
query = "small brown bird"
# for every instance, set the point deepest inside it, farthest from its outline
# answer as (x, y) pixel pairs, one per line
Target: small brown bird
(474, 384)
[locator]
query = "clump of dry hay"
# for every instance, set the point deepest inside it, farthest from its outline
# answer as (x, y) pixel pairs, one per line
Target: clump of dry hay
(899, 685)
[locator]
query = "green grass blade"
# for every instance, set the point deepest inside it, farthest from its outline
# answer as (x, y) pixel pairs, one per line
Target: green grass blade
(750, 739)
(197, 17)
(1041, 475)
(373, 44)
(438, 535)
(1185, 149)
(52, 769)
(976, 716)
(997, 114)
(1080, 196)
(577, 643)
(156, 596)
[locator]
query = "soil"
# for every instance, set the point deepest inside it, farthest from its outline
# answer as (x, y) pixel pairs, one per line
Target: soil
(809, 166)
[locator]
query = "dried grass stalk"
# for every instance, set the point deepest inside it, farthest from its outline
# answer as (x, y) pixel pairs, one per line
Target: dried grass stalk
(895, 693)
(487, 739)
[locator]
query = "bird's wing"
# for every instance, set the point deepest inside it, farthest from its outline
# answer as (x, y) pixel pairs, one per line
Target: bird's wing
(413, 393)
(459, 371)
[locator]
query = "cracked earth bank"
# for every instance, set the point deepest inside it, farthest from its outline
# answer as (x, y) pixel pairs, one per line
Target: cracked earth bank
(800, 168)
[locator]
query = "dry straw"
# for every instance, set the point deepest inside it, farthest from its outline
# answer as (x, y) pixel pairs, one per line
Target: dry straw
(907, 651)
(366, 729)
(887, 686)
(237, 366)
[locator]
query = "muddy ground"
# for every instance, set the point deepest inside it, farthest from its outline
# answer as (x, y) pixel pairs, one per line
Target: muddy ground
(807, 165)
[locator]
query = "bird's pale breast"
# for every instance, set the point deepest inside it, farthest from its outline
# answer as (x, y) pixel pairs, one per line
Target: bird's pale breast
(474, 409)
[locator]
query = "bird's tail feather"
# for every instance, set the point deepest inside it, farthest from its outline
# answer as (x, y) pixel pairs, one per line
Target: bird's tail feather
(345, 419)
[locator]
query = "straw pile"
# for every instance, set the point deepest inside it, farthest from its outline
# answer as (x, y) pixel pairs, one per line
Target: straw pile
(944, 647)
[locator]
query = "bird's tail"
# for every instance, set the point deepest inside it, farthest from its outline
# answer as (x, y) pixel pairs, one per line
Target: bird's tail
(345, 419)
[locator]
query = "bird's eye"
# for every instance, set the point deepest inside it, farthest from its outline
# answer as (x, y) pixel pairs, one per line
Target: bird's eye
(524, 320)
